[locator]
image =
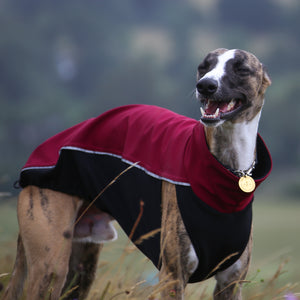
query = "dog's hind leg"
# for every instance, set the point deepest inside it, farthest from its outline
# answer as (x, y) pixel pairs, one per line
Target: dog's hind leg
(46, 221)
(177, 253)
(229, 281)
(82, 269)
(15, 286)
(93, 228)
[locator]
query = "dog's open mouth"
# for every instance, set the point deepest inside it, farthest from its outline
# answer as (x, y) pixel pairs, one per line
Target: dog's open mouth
(214, 111)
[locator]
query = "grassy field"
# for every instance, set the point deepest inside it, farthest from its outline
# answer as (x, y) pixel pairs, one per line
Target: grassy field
(124, 273)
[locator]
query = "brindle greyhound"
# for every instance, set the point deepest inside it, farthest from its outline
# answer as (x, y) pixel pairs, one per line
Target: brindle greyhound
(231, 86)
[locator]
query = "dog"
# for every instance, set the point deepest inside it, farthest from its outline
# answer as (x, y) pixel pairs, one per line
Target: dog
(181, 189)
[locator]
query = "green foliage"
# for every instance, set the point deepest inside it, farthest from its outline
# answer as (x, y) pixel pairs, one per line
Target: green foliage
(62, 62)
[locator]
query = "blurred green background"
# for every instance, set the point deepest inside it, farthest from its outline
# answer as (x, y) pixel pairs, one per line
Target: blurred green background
(64, 61)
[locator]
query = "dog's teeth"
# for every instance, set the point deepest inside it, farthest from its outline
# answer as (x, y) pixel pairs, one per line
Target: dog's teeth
(207, 104)
(231, 105)
(216, 113)
(202, 111)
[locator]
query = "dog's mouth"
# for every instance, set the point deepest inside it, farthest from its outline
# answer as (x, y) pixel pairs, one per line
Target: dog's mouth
(214, 111)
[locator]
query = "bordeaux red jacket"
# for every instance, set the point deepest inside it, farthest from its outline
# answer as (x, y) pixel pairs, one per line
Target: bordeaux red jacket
(82, 160)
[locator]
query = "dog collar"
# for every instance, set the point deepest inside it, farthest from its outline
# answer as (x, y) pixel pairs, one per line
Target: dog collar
(246, 182)
(242, 173)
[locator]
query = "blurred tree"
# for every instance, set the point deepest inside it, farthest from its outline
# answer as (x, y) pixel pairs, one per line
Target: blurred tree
(62, 62)
(253, 15)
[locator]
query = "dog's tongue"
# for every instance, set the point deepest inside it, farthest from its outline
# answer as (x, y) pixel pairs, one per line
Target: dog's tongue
(212, 107)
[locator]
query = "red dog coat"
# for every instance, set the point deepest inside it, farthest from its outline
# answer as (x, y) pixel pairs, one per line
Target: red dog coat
(82, 160)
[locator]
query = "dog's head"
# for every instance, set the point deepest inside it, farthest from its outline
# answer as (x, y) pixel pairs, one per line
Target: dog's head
(231, 86)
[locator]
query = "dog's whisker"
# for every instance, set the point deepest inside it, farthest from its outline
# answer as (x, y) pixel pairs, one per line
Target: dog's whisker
(192, 94)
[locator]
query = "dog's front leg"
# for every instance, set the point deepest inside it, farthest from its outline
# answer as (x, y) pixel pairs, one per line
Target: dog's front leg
(229, 281)
(177, 255)
(46, 220)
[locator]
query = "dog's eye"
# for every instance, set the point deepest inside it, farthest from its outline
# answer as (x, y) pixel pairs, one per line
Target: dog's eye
(203, 67)
(206, 65)
(242, 70)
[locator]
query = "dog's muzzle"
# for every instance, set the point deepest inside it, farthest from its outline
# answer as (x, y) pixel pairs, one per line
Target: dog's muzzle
(215, 109)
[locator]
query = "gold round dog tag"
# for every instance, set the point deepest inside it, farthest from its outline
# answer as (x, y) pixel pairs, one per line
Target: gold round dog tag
(247, 184)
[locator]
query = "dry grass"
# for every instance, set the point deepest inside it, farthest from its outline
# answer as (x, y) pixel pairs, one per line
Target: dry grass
(128, 280)
(124, 273)
(125, 279)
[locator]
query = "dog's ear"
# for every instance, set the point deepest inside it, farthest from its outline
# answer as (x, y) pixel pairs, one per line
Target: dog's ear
(266, 81)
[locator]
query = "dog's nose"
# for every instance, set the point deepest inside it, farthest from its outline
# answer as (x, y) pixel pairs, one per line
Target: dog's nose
(207, 86)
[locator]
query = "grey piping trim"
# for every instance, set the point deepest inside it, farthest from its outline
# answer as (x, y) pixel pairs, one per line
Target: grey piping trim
(113, 155)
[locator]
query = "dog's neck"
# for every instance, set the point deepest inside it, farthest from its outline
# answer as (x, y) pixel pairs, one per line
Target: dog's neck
(234, 144)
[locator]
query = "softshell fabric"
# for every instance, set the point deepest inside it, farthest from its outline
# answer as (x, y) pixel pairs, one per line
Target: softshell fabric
(85, 158)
